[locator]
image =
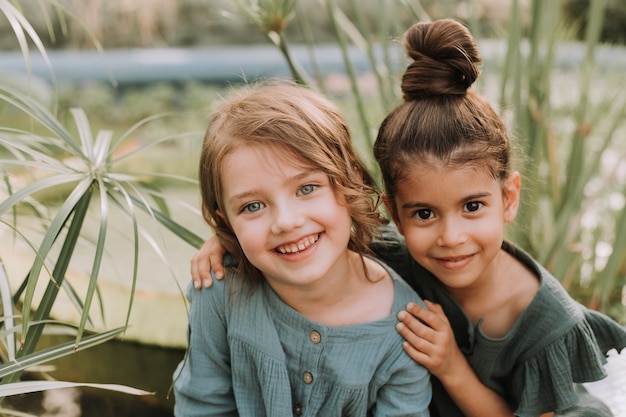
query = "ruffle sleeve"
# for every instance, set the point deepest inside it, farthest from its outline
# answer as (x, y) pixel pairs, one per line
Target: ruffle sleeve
(544, 382)
(576, 352)
(609, 334)
(556, 343)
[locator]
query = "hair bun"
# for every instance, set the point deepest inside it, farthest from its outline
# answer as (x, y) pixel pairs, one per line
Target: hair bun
(446, 60)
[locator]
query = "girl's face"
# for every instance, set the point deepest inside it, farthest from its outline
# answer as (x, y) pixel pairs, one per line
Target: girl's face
(286, 216)
(453, 220)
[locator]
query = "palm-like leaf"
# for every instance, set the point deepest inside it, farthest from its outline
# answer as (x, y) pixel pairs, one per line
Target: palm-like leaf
(85, 166)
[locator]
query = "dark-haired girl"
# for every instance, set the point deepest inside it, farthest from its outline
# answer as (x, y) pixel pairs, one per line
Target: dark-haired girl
(445, 158)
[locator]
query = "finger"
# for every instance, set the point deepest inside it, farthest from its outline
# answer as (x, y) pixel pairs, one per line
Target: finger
(416, 333)
(415, 354)
(434, 307)
(437, 309)
(201, 270)
(424, 351)
(207, 278)
(433, 315)
(217, 265)
(196, 276)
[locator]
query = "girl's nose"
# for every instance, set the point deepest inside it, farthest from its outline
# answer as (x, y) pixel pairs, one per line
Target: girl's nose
(451, 233)
(287, 216)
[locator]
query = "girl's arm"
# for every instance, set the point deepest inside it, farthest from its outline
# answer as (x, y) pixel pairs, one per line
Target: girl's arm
(406, 393)
(208, 258)
(431, 343)
(203, 381)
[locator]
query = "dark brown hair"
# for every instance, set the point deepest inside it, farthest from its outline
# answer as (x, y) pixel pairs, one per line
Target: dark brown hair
(302, 122)
(441, 119)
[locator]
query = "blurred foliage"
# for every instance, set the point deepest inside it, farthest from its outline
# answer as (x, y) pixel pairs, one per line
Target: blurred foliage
(157, 23)
(614, 26)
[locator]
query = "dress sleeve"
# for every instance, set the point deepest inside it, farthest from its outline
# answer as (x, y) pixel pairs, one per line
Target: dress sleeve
(406, 394)
(202, 381)
(608, 333)
(545, 382)
(557, 344)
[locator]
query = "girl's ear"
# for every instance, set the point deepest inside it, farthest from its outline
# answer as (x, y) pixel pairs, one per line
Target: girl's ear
(391, 208)
(512, 189)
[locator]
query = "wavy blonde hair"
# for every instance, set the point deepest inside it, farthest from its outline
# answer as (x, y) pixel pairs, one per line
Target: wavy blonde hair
(307, 125)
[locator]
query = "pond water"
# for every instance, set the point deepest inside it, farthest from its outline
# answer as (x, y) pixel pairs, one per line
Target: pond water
(117, 362)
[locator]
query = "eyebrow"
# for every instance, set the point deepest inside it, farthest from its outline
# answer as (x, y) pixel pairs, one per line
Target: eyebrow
(299, 177)
(475, 196)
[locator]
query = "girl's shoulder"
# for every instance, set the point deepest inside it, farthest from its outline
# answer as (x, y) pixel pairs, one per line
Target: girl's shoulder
(550, 299)
(230, 297)
(557, 342)
(403, 292)
(553, 316)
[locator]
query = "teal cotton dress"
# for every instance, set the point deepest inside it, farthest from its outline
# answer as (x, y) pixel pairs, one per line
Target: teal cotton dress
(253, 355)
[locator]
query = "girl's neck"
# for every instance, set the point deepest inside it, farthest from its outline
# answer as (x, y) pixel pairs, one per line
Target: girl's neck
(500, 296)
(483, 288)
(360, 292)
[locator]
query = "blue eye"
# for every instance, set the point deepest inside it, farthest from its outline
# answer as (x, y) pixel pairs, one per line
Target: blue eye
(253, 207)
(473, 206)
(307, 189)
(424, 214)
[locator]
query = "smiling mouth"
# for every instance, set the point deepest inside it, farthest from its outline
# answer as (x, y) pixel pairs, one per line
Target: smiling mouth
(454, 258)
(455, 262)
(298, 246)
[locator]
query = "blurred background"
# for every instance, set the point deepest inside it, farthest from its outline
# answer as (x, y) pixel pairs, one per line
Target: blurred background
(102, 109)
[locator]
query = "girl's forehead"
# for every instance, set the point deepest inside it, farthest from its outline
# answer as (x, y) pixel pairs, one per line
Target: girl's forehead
(435, 178)
(252, 172)
(436, 168)
(275, 157)
(444, 185)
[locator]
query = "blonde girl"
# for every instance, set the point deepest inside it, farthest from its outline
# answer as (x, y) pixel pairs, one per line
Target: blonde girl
(303, 324)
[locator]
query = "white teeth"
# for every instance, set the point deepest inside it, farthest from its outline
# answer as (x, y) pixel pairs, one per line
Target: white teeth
(298, 246)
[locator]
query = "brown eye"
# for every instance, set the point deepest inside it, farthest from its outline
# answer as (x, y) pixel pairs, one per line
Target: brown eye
(473, 206)
(424, 214)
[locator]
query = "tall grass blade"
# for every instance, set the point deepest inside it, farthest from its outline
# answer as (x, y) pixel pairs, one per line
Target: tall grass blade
(336, 16)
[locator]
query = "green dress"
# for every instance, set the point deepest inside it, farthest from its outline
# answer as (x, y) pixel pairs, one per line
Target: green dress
(252, 355)
(555, 343)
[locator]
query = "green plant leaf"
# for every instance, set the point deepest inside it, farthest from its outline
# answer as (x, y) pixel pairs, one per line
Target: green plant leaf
(27, 387)
(56, 352)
